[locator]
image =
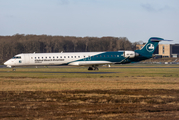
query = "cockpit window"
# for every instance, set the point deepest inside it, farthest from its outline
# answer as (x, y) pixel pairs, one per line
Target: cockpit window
(17, 57)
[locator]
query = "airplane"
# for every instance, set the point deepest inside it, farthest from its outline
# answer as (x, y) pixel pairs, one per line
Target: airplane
(91, 59)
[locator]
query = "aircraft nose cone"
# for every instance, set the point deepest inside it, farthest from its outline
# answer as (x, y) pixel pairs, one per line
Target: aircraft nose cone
(7, 64)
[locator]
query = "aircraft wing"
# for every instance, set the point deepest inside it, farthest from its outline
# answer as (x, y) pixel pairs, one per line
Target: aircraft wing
(89, 63)
(122, 61)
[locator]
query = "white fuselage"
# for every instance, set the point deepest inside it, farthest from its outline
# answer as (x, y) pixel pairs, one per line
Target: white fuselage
(76, 59)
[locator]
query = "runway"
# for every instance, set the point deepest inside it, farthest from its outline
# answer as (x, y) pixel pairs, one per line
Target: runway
(83, 72)
(46, 72)
(144, 67)
(3, 66)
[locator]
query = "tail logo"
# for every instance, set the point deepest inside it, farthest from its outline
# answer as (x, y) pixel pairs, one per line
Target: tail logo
(150, 47)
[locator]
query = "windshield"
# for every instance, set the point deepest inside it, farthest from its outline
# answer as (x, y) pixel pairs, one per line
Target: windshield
(16, 57)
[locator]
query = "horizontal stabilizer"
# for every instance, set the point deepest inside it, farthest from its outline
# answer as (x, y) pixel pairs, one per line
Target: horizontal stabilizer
(156, 39)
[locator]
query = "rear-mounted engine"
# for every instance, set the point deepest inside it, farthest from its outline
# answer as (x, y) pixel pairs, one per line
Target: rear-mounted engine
(130, 54)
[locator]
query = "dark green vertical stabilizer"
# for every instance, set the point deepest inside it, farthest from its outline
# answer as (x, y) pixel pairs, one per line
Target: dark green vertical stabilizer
(150, 47)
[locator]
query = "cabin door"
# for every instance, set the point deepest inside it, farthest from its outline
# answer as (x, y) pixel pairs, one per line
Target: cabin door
(26, 59)
(84, 57)
(89, 58)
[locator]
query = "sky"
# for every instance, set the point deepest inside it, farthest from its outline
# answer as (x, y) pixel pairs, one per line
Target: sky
(138, 20)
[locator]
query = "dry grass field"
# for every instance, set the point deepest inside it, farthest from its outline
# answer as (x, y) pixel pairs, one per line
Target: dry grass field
(123, 92)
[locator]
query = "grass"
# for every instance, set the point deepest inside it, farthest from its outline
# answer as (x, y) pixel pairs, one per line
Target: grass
(127, 93)
(79, 78)
(90, 104)
(43, 73)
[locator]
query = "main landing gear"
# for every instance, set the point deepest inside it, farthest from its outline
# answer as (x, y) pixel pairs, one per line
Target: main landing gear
(93, 68)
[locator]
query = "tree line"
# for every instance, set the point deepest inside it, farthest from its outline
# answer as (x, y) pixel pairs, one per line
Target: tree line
(20, 43)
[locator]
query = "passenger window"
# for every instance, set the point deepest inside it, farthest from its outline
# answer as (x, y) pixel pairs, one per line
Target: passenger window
(42, 57)
(31, 57)
(104, 55)
(46, 57)
(117, 55)
(75, 56)
(20, 61)
(71, 56)
(49, 57)
(57, 56)
(64, 56)
(35, 57)
(68, 56)
(60, 56)
(78, 56)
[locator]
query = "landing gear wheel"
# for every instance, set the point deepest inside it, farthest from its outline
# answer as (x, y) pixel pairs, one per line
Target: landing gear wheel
(90, 68)
(93, 68)
(96, 68)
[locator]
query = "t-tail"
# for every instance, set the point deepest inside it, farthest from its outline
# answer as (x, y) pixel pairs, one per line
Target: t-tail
(150, 47)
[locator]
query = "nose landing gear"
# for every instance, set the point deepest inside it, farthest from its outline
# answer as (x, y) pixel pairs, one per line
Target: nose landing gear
(13, 69)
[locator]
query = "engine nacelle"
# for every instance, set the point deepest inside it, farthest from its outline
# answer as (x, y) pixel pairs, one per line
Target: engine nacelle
(130, 54)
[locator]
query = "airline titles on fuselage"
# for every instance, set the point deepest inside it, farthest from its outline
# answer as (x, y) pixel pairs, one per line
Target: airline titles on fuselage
(47, 60)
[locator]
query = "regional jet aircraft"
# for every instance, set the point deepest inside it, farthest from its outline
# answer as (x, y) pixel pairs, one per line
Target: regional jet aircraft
(90, 59)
